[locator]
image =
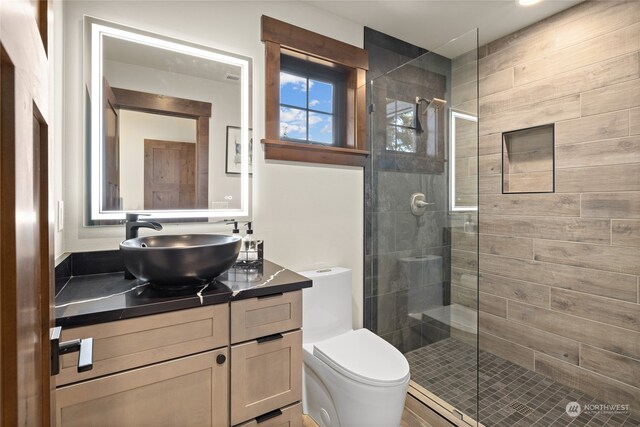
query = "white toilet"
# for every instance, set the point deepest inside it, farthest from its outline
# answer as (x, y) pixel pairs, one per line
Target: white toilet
(352, 378)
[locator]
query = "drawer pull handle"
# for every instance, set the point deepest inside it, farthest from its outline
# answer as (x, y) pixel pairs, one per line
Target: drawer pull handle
(220, 359)
(83, 346)
(270, 338)
(268, 416)
(271, 296)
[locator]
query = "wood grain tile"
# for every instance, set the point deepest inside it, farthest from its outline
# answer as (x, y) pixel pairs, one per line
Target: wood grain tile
(610, 364)
(611, 98)
(465, 278)
(514, 289)
(467, 260)
(596, 385)
(529, 182)
(493, 304)
(568, 229)
(574, 81)
(531, 115)
(535, 339)
(567, 205)
(625, 232)
(508, 350)
(490, 164)
(607, 46)
(531, 33)
(465, 297)
(497, 82)
(611, 338)
(464, 93)
(506, 245)
(490, 184)
(634, 121)
(610, 205)
(605, 310)
(464, 241)
(462, 73)
(490, 144)
(599, 257)
(599, 178)
(592, 128)
(595, 282)
(609, 152)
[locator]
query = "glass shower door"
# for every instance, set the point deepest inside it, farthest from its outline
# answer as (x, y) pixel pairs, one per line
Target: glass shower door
(421, 221)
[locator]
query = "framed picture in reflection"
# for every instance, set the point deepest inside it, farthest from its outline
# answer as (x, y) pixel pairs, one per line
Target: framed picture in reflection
(234, 151)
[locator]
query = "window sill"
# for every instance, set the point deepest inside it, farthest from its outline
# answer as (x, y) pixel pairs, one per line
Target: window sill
(300, 152)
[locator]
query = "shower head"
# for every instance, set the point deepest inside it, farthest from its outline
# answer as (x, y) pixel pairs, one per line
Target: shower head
(436, 103)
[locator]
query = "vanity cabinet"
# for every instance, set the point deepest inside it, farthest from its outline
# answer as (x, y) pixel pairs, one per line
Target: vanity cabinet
(189, 391)
(160, 370)
(237, 363)
(266, 369)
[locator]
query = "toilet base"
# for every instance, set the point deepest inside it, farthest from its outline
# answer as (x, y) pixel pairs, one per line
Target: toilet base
(333, 400)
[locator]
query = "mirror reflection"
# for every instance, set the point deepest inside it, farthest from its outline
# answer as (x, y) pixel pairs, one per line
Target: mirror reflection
(172, 135)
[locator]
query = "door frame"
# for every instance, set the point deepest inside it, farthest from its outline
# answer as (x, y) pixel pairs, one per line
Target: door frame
(177, 107)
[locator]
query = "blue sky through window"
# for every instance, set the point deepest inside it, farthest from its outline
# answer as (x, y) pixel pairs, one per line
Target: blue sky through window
(306, 109)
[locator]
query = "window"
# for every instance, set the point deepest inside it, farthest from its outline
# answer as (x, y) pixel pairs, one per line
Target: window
(401, 126)
(311, 96)
(315, 97)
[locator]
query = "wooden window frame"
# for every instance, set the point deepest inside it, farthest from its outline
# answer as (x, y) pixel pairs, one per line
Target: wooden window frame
(279, 36)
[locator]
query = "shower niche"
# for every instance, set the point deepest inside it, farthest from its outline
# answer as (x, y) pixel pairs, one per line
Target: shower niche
(528, 160)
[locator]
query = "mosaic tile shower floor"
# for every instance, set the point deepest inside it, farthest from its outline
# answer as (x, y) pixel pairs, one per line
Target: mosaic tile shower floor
(510, 395)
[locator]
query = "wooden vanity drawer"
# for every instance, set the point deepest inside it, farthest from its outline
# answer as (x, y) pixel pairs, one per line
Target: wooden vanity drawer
(257, 317)
(189, 391)
(266, 375)
(127, 344)
(291, 416)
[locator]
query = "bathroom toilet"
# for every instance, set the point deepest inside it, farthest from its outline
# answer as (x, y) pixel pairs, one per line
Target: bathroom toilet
(351, 377)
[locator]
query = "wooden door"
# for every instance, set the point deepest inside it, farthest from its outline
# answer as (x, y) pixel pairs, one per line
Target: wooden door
(169, 175)
(110, 152)
(26, 254)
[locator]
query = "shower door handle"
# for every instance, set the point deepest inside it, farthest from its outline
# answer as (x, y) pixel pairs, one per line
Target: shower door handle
(419, 204)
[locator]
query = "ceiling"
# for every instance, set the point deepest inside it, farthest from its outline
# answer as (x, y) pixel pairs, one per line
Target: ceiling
(432, 23)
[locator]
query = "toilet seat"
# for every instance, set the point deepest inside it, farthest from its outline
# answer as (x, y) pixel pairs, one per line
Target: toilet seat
(364, 357)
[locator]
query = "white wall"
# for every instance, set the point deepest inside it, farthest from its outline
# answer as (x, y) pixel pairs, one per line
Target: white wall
(309, 215)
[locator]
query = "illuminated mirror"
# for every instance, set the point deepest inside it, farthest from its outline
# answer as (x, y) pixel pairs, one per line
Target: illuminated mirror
(168, 126)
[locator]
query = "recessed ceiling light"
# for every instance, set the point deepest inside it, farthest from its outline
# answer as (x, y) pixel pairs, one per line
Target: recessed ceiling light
(528, 2)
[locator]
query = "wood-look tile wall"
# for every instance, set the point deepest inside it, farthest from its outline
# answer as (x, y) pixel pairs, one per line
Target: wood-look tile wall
(560, 273)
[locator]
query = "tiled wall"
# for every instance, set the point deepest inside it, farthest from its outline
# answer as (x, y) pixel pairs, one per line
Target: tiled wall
(559, 285)
(397, 284)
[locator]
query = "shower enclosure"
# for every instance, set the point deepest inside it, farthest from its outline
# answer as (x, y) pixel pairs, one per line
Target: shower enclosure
(421, 222)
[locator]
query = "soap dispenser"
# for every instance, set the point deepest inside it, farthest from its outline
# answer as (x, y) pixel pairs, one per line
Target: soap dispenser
(249, 245)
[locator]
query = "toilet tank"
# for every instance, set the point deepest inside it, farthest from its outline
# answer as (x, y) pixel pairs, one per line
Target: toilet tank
(326, 306)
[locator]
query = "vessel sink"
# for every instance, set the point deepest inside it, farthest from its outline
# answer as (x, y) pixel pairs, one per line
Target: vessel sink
(179, 260)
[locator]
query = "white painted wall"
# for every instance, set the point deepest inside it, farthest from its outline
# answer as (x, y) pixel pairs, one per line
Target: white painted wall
(309, 215)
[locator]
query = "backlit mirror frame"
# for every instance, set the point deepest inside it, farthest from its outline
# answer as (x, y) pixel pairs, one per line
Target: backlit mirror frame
(95, 31)
(454, 116)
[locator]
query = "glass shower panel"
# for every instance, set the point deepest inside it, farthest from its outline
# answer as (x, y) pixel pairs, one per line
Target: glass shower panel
(421, 222)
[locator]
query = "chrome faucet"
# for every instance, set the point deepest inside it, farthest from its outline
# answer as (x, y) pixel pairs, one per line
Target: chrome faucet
(132, 226)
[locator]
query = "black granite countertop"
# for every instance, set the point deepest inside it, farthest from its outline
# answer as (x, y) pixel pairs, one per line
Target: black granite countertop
(97, 298)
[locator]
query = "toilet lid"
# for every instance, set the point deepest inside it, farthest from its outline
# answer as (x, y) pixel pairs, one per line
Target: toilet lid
(365, 357)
